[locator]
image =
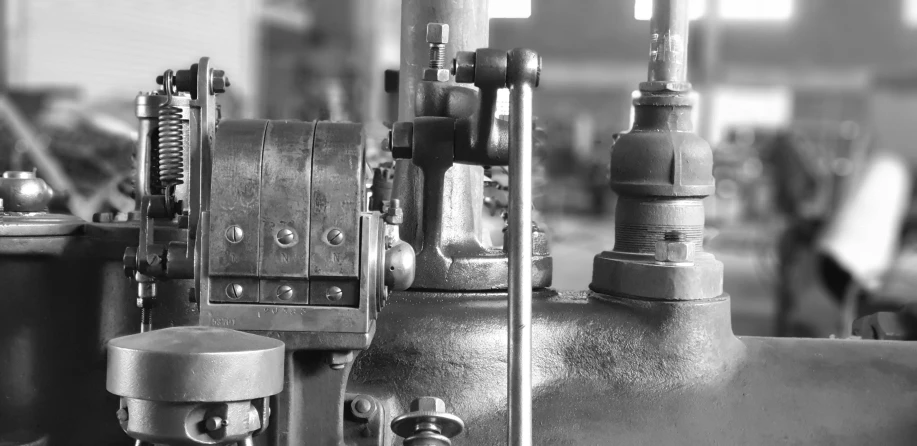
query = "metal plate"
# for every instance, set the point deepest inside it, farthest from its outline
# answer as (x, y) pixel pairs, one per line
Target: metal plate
(298, 294)
(315, 322)
(235, 194)
(350, 292)
(220, 291)
(286, 176)
(337, 199)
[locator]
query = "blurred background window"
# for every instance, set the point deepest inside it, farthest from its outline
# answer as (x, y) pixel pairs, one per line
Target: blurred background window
(643, 9)
(762, 107)
(910, 12)
(510, 9)
(767, 10)
(764, 10)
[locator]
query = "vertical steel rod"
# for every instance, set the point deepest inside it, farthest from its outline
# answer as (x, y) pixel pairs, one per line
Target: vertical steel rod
(520, 265)
(669, 47)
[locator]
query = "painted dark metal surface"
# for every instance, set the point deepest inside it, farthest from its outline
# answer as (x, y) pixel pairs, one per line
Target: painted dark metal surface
(626, 371)
(63, 298)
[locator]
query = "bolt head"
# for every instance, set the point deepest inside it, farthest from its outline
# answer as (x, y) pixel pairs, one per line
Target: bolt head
(402, 140)
(334, 294)
(335, 237)
(286, 237)
(220, 81)
(284, 292)
(437, 33)
(234, 291)
(337, 360)
(394, 215)
(428, 404)
(674, 252)
(234, 234)
(436, 74)
(362, 405)
(214, 423)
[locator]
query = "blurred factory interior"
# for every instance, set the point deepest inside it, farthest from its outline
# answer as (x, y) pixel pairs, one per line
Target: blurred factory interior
(799, 98)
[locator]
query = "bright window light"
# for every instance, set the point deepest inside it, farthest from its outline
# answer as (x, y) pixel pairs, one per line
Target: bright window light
(910, 12)
(733, 107)
(766, 10)
(643, 9)
(510, 9)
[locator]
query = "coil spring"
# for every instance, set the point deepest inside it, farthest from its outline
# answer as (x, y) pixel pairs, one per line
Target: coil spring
(171, 145)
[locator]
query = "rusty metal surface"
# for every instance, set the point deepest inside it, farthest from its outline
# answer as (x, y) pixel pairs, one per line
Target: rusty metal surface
(337, 200)
(629, 371)
(467, 261)
(286, 176)
(234, 203)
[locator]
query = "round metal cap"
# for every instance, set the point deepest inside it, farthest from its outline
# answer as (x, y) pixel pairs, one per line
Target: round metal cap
(195, 364)
(24, 192)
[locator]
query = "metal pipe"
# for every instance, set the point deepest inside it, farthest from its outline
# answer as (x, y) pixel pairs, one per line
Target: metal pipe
(520, 264)
(463, 186)
(669, 47)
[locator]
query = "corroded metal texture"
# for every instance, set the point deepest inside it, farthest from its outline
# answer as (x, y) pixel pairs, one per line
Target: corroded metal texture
(629, 371)
(443, 215)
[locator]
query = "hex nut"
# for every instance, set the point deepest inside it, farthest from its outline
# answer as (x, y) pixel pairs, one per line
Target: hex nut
(220, 81)
(394, 214)
(437, 33)
(674, 252)
(436, 74)
(463, 67)
(402, 140)
(337, 360)
(428, 404)
(657, 86)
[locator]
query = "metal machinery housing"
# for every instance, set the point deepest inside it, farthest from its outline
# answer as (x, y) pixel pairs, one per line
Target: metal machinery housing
(278, 306)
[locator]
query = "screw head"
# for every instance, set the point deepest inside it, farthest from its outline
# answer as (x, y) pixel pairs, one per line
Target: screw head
(234, 291)
(286, 237)
(335, 237)
(284, 292)
(428, 404)
(234, 234)
(437, 33)
(334, 294)
(214, 423)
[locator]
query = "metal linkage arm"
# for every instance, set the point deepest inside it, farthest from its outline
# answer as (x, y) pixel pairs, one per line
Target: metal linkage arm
(523, 71)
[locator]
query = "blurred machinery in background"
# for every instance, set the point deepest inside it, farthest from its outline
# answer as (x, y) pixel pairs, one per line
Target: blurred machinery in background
(278, 293)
